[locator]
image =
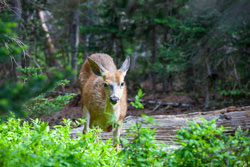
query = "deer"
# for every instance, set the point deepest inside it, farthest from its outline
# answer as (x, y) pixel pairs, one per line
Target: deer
(104, 94)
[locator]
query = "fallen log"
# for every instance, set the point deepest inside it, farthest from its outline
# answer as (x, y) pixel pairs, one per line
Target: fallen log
(168, 124)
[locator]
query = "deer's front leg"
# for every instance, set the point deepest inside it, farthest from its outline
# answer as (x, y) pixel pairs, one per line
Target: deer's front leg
(116, 135)
(86, 116)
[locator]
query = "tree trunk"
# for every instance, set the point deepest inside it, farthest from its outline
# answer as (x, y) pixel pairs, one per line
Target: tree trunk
(208, 83)
(164, 79)
(236, 75)
(17, 10)
(122, 53)
(115, 49)
(25, 58)
(51, 49)
(75, 42)
(153, 55)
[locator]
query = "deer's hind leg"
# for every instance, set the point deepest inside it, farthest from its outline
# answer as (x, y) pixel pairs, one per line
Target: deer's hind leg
(86, 116)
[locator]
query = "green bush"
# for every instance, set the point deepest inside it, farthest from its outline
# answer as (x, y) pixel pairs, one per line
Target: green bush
(137, 103)
(26, 144)
(35, 144)
(9, 44)
(205, 144)
(42, 105)
(142, 150)
(23, 97)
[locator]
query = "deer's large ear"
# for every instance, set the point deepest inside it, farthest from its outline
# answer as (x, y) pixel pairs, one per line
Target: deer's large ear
(125, 66)
(98, 69)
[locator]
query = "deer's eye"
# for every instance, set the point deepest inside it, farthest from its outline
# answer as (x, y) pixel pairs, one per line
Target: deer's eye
(105, 85)
(122, 84)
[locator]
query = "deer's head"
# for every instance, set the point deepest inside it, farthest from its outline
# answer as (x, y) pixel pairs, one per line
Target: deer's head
(113, 81)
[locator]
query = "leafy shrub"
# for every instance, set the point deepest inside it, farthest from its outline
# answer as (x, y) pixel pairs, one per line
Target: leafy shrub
(235, 92)
(42, 105)
(137, 103)
(9, 45)
(142, 150)
(205, 144)
(45, 106)
(35, 144)
(13, 95)
(28, 73)
(25, 144)
(29, 96)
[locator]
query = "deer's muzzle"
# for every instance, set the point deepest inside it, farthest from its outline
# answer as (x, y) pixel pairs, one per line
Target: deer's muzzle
(114, 99)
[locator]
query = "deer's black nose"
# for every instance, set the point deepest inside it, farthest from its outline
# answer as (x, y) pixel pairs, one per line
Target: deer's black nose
(114, 100)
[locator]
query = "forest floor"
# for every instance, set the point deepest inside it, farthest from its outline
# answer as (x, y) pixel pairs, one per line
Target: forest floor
(170, 118)
(73, 109)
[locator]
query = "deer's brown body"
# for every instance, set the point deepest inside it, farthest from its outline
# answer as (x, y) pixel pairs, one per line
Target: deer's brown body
(104, 93)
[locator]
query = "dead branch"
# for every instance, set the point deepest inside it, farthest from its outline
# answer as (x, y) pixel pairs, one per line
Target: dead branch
(163, 103)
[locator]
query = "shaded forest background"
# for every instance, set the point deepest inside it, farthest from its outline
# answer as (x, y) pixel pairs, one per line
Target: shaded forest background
(198, 48)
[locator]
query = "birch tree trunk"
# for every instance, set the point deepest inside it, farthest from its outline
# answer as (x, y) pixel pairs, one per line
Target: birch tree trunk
(51, 49)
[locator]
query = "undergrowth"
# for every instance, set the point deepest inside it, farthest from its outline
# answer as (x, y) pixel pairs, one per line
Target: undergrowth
(35, 144)
(201, 144)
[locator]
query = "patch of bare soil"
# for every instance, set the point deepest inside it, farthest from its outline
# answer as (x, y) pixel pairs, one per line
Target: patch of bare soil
(67, 112)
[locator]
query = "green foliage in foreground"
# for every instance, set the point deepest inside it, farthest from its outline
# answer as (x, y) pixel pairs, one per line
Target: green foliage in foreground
(207, 145)
(35, 144)
(143, 150)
